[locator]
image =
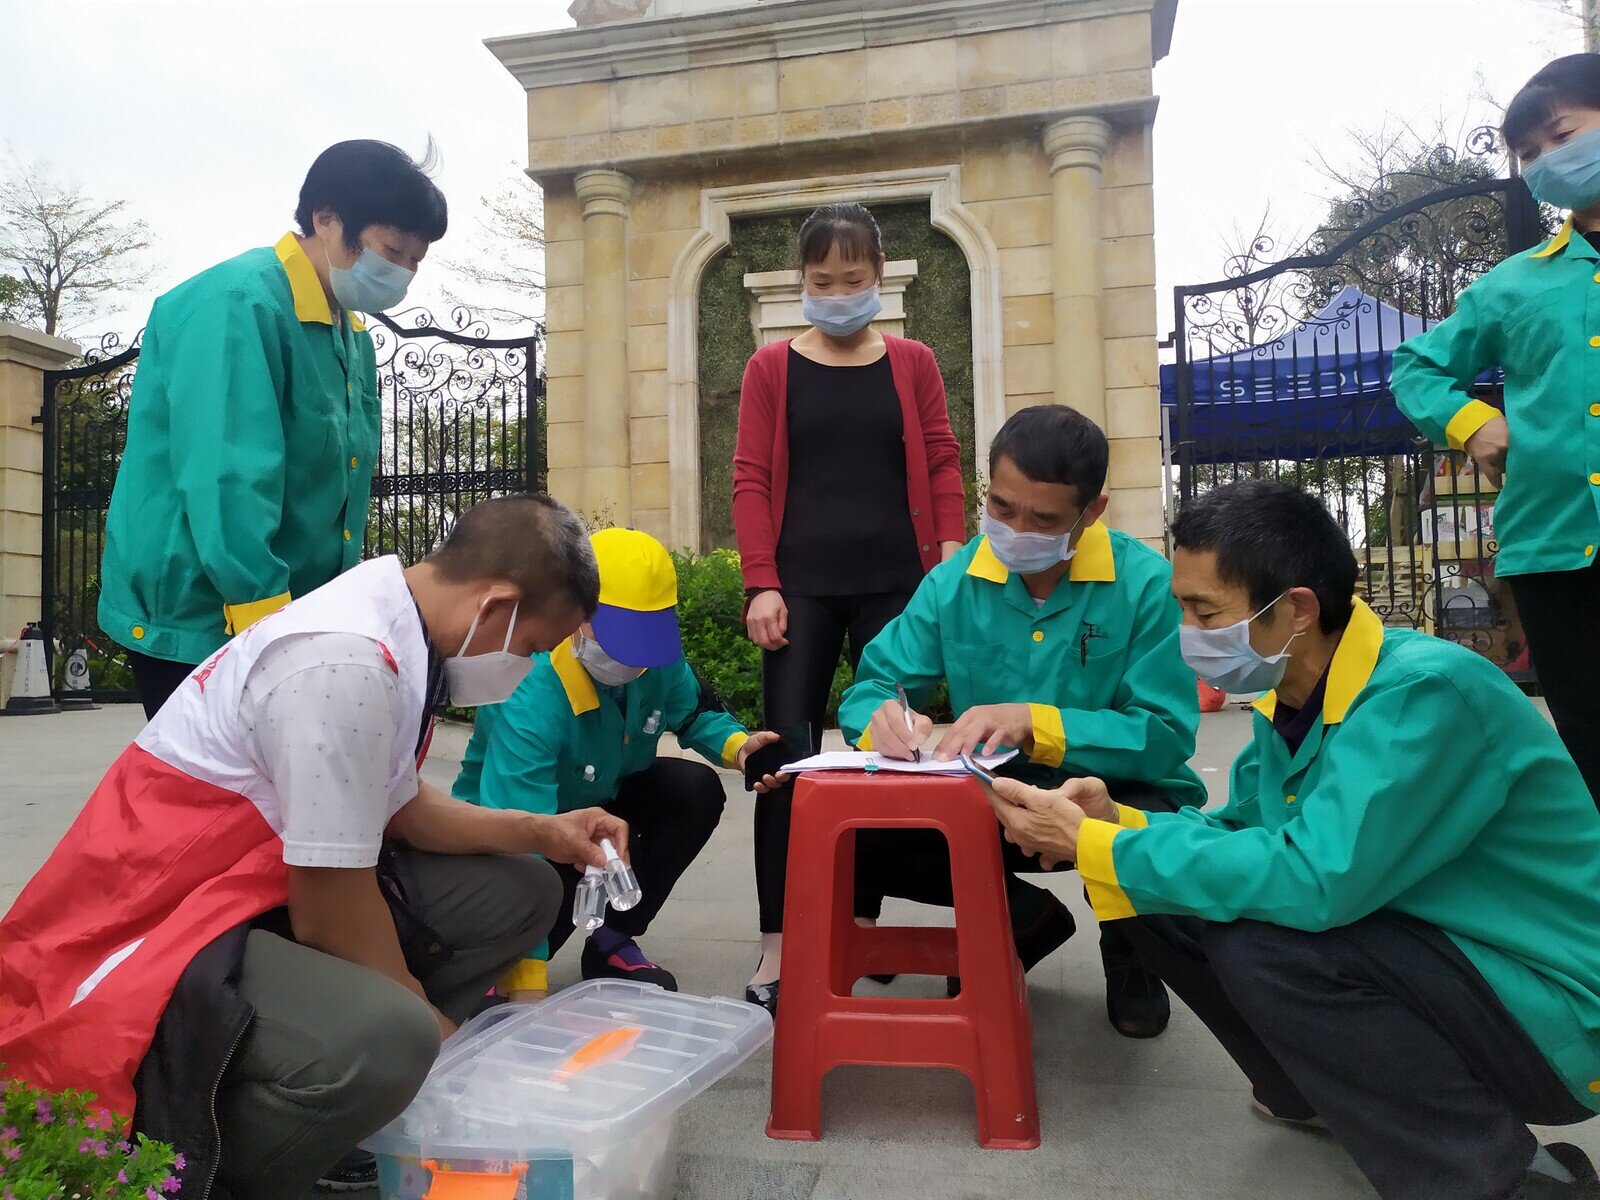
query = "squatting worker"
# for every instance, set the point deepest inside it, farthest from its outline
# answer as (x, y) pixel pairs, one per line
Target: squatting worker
(253, 425)
(1058, 637)
(1537, 316)
(583, 729)
(846, 491)
(1391, 925)
(259, 927)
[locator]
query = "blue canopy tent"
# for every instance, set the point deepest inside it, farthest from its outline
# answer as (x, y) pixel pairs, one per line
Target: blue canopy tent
(1319, 391)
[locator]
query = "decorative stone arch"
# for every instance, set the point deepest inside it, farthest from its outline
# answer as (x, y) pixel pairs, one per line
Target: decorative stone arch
(940, 186)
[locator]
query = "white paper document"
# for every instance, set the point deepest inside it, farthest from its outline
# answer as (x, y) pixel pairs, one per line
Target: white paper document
(868, 760)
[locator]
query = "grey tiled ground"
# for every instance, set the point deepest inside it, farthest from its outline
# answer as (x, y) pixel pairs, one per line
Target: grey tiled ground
(1121, 1120)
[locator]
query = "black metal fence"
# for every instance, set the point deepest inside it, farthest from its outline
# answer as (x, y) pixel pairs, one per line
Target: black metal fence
(462, 420)
(1282, 372)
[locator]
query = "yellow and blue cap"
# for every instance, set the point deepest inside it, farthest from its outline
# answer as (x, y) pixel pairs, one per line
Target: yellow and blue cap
(637, 621)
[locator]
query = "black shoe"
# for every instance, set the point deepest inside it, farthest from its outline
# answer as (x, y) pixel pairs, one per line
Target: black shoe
(1136, 1001)
(764, 994)
(1584, 1185)
(1047, 934)
(355, 1172)
(619, 964)
(886, 980)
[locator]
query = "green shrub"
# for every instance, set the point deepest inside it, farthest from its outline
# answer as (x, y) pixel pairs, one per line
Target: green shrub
(55, 1145)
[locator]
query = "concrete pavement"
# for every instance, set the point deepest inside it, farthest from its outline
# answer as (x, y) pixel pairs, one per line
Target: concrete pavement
(1158, 1120)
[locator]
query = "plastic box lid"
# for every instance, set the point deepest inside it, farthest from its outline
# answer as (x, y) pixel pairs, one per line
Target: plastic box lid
(590, 1066)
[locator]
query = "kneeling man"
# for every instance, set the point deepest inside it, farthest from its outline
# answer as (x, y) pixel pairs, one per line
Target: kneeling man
(1392, 924)
(260, 926)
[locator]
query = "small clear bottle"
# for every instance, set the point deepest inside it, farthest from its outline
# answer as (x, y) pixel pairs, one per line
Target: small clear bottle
(589, 901)
(622, 886)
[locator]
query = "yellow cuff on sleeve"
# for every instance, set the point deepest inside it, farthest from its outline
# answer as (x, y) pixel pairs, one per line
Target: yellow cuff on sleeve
(529, 975)
(864, 742)
(1049, 738)
(1470, 417)
(1131, 818)
(1098, 870)
(236, 618)
(731, 748)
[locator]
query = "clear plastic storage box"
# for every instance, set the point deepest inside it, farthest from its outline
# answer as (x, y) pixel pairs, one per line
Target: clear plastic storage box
(573, 1098)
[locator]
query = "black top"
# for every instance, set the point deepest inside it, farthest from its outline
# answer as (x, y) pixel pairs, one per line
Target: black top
(1294, 724)
(846, 520)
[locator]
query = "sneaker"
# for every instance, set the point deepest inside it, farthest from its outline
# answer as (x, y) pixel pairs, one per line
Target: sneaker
(355, 1172)
(1584, 1185)
(627, 961)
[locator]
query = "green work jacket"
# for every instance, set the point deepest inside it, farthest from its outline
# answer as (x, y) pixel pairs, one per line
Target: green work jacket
(252, 438)
(1429, 786)
(560, 743)
(1097, 663)
(1537, 316)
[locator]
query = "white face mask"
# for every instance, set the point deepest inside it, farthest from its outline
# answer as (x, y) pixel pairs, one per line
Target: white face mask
(602, 668)
(1028, 553)
(1226, 660)
(485, 678)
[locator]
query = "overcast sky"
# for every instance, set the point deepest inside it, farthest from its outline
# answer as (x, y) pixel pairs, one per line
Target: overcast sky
(204, 114)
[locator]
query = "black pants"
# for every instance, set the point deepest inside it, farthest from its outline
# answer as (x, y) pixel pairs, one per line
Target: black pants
(1385, 1030)
(1561, 616)
(914, 864)
(795, 683)
(155, 679)
(672, 808)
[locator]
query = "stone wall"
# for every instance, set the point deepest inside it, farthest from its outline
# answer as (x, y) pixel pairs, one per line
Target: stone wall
(1042, 108)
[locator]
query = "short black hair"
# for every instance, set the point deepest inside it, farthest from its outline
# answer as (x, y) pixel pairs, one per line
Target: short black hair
(530, 540)
(1573, 80)
(367, 183)
(1053, 443)
(850, 227)
(1271, 537)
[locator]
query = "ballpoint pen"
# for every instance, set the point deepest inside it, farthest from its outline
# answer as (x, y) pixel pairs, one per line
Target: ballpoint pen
(911, 726)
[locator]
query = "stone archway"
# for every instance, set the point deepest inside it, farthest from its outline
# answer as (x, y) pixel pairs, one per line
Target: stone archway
(940, 186)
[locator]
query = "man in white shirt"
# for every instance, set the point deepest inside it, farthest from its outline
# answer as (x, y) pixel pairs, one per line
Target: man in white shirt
(262, 923)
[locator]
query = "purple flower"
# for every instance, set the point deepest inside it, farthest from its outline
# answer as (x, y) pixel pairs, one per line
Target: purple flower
(122, 1177)
(170, 1185)
(11, 1153)
(86, 1146)
(179, 1164)
(9, 1134)
(151, 1194)
(43, 1112)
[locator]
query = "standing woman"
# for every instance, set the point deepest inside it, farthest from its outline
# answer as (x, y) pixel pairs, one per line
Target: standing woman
(1535, 317)
(846, 491)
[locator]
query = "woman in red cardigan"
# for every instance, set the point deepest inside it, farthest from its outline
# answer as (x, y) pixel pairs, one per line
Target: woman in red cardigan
(846, 491)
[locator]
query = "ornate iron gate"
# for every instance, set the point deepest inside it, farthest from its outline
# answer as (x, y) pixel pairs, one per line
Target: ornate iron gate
(1282, 372)
(462, 420)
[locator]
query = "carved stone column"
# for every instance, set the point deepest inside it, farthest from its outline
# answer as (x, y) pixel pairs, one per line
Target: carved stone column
(604, 195)
(1077, 146)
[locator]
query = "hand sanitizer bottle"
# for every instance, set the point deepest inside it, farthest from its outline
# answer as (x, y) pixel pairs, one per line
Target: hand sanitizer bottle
(622, 886)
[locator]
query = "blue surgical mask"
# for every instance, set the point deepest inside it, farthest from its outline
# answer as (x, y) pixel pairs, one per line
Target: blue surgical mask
(842, 316)
(1028, 553)
(1226, 660)
(1568, 176)
(374, 284)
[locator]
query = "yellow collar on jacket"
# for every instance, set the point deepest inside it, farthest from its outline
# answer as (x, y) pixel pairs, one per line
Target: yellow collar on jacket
(310, 301)
(1093, 563)
(574, 679)
(1353, 663)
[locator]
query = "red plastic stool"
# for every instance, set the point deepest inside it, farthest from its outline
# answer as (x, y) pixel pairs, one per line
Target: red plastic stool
(985, 1031)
